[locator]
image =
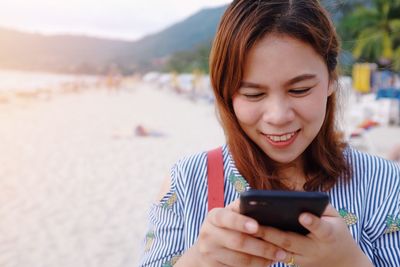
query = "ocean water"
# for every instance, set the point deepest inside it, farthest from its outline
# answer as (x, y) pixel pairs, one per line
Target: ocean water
(11, 80)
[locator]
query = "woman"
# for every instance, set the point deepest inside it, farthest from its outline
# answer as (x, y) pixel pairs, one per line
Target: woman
(273, 71)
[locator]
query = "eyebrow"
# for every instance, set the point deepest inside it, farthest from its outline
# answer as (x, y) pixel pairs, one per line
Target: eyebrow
(292, 81)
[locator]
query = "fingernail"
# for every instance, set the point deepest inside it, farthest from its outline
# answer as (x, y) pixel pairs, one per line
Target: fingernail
(250, 226)
(306, 219)
(280, 255)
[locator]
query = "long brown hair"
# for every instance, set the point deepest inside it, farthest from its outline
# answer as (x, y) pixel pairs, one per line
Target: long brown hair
(242, 25)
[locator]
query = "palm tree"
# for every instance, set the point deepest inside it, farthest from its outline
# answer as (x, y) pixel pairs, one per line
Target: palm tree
(375, 31)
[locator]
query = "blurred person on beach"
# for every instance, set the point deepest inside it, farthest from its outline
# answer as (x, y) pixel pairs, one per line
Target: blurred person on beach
(273, 69)
(142, 131)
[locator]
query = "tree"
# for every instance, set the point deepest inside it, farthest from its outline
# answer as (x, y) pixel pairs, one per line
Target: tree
(375, 31)
(189, 61)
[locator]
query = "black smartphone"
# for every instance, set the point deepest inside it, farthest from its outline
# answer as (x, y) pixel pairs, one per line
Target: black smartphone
(281, 209)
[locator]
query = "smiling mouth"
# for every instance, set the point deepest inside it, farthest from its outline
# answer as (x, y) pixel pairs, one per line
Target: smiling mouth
(282, 137)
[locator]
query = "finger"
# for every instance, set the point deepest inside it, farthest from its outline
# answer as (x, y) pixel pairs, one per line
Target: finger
(288, 241)
(238, 259)
(247, 244)
(209, 261)
(320, 228)
(226, 218)
(294, 260)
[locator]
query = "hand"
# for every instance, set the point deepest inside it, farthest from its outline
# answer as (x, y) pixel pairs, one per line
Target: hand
(329, 242)
(227, 239)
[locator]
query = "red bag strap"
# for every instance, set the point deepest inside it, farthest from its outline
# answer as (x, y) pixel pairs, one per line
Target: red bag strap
(215, 180)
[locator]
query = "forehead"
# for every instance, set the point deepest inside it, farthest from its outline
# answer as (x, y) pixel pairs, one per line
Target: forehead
(282, 57)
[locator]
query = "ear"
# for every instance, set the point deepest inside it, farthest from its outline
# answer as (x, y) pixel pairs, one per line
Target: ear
(332, 87)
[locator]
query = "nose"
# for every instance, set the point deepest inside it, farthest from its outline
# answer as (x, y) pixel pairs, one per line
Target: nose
(278, 111)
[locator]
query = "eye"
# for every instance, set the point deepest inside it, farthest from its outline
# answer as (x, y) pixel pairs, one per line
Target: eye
(254, 96)
(251, 93)
(299, 92)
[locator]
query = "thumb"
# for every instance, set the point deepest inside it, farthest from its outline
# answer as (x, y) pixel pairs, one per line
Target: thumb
(330, 211)
(234, 206)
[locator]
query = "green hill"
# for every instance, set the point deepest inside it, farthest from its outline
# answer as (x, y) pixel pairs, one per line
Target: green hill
(58, 53)
(183, 46)
(81, 54)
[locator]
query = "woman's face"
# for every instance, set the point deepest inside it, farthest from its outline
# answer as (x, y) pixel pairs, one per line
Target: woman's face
(281, 103)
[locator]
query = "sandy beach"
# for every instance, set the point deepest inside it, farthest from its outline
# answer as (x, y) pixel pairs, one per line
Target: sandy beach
(76, 182)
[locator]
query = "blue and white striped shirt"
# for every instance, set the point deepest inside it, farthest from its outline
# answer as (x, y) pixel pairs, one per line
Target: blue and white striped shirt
(369, 203)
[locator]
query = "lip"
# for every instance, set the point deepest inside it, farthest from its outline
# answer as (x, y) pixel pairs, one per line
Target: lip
(281, 144)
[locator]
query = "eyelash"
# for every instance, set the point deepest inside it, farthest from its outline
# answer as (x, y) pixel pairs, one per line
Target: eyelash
(253, 96)
(300, 91)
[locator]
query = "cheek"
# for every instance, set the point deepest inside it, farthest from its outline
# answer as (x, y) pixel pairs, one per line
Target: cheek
(314, 110)
(246, 112)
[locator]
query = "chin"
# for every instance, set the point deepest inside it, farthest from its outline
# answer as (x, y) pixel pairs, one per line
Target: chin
(282, 156)
(285, 157)
(283, 160)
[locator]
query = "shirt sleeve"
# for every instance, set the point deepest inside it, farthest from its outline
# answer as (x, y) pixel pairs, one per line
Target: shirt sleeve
(385, 225)
(164, 241)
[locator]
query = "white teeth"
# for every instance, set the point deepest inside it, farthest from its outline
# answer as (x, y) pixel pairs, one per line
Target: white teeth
(281, 138)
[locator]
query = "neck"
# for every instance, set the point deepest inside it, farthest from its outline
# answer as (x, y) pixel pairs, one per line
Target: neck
(293, 176)
(294, 182)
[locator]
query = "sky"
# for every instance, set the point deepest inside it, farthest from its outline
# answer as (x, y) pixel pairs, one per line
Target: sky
(116, 19)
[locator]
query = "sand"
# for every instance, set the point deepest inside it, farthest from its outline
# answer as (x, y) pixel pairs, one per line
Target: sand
(76, 182)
